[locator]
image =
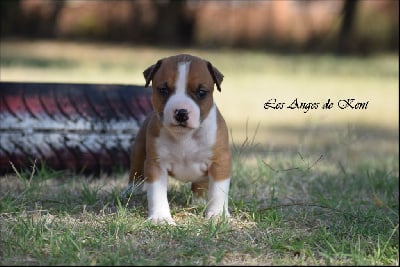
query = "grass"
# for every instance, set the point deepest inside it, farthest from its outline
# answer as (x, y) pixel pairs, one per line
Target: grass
(289, 209)
(307, 189)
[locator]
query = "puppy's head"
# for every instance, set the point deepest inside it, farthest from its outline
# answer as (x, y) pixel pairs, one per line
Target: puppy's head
(183, 88)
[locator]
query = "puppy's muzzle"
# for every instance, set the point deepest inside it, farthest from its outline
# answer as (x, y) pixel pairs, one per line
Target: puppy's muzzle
(181, 116)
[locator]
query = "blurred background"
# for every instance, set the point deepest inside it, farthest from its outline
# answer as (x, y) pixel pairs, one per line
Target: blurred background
(309, 50)
(312, 26)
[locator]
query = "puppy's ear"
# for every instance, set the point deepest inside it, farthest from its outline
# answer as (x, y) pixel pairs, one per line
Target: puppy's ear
(216, 75)
(150, 71)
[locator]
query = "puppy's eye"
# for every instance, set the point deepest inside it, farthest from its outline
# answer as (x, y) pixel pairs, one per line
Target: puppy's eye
(163, 90)
(201, 93)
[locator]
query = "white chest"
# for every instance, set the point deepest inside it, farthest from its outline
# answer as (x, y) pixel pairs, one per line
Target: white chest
(187, 161)
(187, 156)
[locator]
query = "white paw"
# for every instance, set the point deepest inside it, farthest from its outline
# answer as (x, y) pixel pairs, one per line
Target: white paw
(216, 213)
(161, 219)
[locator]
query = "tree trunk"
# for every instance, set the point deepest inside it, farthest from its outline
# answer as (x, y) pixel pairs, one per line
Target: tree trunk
(346, 29)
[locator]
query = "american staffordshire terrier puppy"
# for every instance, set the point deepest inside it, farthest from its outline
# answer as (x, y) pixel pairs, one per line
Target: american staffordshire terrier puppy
(184, 137)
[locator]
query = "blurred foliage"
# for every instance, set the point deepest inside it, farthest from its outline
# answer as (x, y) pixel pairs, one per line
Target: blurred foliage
(294, 26)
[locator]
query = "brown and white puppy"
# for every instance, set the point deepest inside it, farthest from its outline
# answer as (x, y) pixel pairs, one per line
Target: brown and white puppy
(185, 136)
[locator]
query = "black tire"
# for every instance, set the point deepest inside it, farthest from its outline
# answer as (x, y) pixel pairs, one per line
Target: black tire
(82, 127)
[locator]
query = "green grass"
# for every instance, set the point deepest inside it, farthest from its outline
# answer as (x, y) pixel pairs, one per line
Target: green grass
(307, 189)
(286, 209)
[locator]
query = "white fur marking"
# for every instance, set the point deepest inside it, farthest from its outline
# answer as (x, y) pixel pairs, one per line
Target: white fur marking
(181, 81)
(218, 198)
(159, 211)
(188, 155)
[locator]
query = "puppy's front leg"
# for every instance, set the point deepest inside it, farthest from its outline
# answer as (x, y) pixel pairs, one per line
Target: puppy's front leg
(158, 206)
(219, 181)
(218, 198)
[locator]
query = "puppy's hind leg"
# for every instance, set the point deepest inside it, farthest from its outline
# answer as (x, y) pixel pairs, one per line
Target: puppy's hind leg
(199, 192)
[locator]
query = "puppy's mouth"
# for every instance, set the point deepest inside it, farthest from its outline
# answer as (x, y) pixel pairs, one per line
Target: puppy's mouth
(181, 125)
(177, 124)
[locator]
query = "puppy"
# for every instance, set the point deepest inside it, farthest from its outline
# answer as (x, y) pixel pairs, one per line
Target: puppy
(184, 137)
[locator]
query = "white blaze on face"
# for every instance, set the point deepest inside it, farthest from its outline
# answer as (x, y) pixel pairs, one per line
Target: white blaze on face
(182, 75)
(181, 100)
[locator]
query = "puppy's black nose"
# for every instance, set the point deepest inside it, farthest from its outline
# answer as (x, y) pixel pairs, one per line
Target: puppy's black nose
(181, 115)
